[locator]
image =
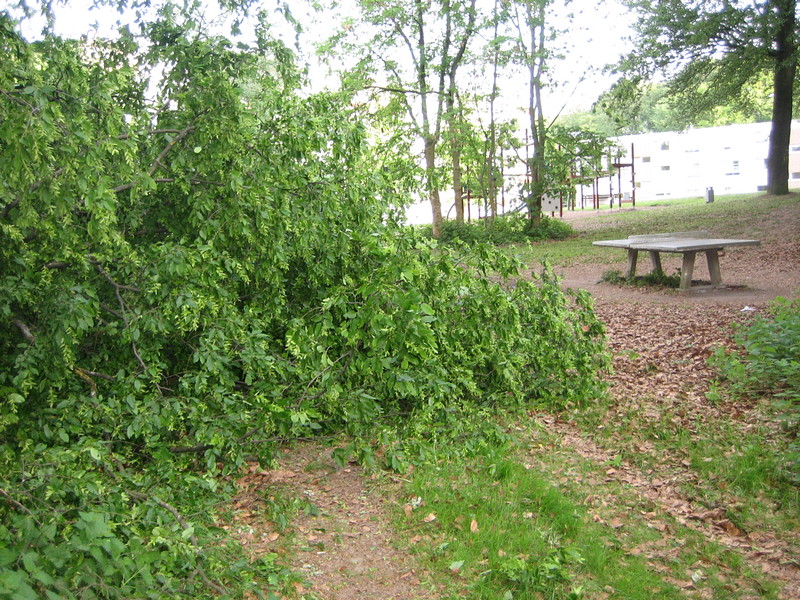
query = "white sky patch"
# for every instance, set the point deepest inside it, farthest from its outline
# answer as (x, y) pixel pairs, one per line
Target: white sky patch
(596, 35)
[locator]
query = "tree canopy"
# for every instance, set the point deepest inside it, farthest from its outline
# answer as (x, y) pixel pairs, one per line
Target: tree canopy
(713, 52)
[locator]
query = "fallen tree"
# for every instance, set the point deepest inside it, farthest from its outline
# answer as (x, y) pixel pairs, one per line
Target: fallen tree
(190, 276)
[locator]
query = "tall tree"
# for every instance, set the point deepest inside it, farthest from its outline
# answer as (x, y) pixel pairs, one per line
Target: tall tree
(453, 114)
(414, 53)
(531, 33)
(711, 50)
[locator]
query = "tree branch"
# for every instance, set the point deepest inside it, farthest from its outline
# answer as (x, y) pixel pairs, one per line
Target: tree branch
(157, 162)
(96, 374)
(390, 89)
(33, 187)
(26, 332)
(126, 136)
(192, 538)
(118, 286)
(128, 186)
(56, 264)
(189, 449)
(20, 506)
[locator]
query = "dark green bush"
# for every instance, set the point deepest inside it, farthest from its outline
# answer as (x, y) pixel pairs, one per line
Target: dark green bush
(770, 361)
(654, 278)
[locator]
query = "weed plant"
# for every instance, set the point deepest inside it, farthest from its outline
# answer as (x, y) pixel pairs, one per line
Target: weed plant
(653, 279)
(769, 365)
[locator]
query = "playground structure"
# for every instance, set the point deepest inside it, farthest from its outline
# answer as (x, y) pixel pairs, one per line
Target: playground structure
(603, 185)
(597, 195)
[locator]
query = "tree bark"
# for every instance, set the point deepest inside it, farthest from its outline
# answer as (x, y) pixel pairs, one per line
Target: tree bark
(536, 25)
(455, 146)
(783, 85)
(433, 188)
(458, 187)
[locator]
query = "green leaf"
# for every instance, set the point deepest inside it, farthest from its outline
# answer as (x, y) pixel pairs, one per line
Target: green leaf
(455, 566)
(7, 557)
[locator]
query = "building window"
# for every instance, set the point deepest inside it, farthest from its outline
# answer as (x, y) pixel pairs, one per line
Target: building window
(665, 145)
(645, 159)
(639, 183)
(796, 175)
(665, 168)
(761, 188)
(795, 148)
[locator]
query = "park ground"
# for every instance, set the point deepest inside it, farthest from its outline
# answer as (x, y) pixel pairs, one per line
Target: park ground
(664, 469)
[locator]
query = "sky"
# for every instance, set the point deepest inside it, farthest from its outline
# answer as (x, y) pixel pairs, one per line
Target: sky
(596, 36)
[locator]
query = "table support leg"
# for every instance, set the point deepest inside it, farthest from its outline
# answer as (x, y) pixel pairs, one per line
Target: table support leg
(687, 269)
(655, 260)
(633, 255)
(712, 256)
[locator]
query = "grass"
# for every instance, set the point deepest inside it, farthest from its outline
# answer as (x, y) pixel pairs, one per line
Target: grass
(741, 468)
(731, 216)
(504, 531)
(504, 527)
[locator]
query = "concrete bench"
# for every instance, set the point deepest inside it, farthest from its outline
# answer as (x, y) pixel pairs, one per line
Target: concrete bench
(687, 243)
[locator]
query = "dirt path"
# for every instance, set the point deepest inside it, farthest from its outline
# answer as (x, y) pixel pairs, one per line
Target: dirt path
(341, 538)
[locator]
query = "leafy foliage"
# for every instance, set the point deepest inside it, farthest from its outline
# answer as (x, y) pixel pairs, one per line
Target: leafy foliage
(713, 52)
(504, 229)
(769, 364)
(653, 278)
(771, 353)
(197, 260)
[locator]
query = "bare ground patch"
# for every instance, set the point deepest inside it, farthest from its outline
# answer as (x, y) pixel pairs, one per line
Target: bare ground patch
(340, 537)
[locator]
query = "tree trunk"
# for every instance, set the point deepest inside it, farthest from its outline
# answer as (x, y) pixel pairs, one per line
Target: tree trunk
(785, 71)
(453, 122)
(433, 188)
(458, 188)
(535, 16)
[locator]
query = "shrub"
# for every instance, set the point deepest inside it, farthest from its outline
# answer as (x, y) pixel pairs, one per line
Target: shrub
(769, 365)
(654, 278)
(502, 230)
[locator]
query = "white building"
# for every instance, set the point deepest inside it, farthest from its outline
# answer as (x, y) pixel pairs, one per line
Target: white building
(731, 159)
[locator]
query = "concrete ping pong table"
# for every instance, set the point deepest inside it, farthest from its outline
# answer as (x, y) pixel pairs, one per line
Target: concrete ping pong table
(688, 243)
